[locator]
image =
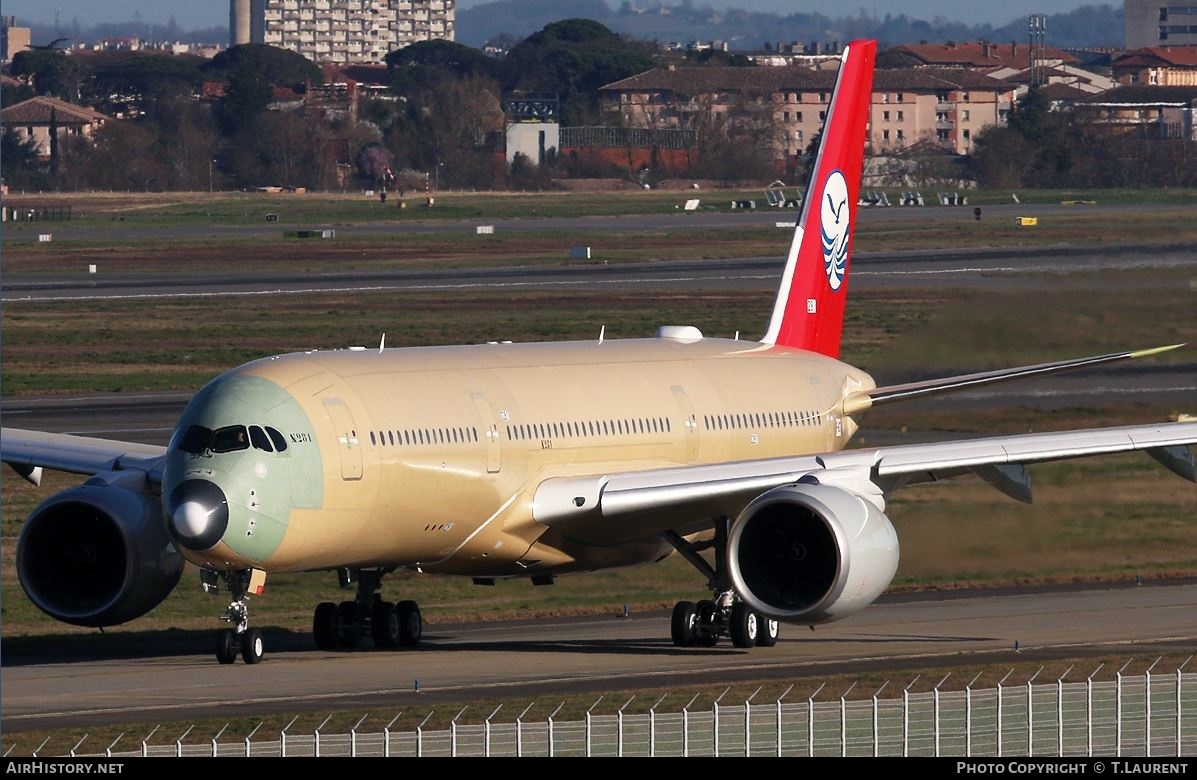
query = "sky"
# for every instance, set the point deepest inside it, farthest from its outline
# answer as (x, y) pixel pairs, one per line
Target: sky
(191, 14)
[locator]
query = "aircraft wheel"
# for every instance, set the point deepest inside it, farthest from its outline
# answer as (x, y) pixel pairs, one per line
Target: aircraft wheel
(744, 626)
(252, 648)
(682, 625)
(384, 624)
(351, 633)
(326, 626)
(766, 635)
(411, 624)
(707, 625)
(226, 646)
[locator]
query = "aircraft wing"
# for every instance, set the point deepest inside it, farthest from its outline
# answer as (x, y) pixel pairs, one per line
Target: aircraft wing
(30, 451)
(618, 507)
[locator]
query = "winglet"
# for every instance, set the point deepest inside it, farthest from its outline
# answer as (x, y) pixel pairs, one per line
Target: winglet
(809, 310)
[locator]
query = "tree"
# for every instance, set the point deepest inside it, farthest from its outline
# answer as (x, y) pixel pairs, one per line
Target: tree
(428, 63)
(273, 66)
(53, 73)
(245, 100)
(148, 82)
(574, 58)
(19, 164)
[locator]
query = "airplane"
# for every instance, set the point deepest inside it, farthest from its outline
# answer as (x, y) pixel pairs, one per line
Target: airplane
(535, 460)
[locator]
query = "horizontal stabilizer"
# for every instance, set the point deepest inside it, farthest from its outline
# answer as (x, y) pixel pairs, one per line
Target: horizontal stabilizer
(860, 402)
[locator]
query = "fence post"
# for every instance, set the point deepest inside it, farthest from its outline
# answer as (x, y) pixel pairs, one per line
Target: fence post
(420, 734)
(1060, 712)
(386, 735)
(1118, 709)
(250, 735)
(715, 705)
(47, 739)
(215, 738)
(876, 729)
(906, 716)
(453, 732)
(778, 705)
(353, 736)
(652, 727)
(80, 742)
(936, 724)
(519, 731)
(999, 712)
(844, 719)
(108, 751)
(551, 716)
(179, 741)
(1030, 715)
(592, 706)
(486, 732)
(1178, 677)
(810, 721)
(1147, 707)
(686, 727)
(283, 737)
(1089, 711)
(619, 728)
(145, 749)
(748, 722)
(968, 716)
(316, 734)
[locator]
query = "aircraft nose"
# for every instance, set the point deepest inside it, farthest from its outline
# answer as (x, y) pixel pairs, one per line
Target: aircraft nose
(199, 513)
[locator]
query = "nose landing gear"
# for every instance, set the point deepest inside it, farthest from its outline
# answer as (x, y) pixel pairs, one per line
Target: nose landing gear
(240, 638)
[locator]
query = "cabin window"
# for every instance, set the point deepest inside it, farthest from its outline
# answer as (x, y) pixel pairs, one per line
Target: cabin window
(230, 439)
(279, 441)
(259, 439)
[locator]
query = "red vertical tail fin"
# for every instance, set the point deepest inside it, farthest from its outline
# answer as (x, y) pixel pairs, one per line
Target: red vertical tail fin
(809, 311)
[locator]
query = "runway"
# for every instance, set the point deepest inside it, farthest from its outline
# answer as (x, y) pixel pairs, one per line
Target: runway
(106, 682)
(1022, 268)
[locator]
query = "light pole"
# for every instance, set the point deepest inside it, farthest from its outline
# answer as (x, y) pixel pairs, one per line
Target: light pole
(210, 161)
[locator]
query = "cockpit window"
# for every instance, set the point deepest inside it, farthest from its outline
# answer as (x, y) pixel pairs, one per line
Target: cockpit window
(195, 439)
(280, 443)
(258, 438)
(230, 439)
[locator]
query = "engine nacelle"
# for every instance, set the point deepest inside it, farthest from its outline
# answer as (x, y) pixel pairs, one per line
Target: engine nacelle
(98, 554)
(811, 553)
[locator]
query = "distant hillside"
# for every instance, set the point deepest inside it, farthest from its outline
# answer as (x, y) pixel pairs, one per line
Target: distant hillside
(1096, 25)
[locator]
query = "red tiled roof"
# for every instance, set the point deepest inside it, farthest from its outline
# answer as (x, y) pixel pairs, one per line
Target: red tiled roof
(1155, 56)
(767, 80)
(977, 55)
(36, 111)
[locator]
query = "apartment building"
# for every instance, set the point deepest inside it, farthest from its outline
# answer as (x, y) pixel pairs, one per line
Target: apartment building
(946, 107)
(342, 31)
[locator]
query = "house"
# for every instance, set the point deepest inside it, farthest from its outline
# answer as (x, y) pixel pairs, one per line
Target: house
(33, 118)
(1146, 112)
(1157, 66)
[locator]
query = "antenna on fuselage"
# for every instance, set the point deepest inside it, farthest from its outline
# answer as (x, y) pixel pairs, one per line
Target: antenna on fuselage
(382, 343)
(602, 333)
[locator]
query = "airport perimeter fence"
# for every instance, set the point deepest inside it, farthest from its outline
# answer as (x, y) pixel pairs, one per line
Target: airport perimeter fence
(1143, 715)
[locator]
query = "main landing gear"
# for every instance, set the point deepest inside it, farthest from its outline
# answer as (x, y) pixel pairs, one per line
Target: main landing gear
(701, 624)
(342, 626)
(240, 639)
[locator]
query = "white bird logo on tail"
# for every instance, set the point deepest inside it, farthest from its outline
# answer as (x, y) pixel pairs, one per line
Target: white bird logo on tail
(834, 227)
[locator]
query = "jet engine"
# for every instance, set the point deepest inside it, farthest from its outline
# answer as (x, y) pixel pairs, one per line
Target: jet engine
(811, 553)
(98, 554)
